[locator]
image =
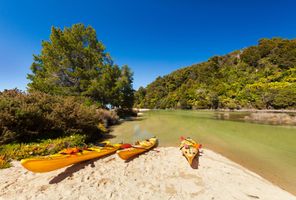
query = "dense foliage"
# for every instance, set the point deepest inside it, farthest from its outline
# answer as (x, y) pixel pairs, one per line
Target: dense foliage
(261, 77)
(25, 117)
(74, 63)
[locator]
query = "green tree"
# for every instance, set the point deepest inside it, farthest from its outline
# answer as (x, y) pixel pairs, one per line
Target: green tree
(139, 97)
(124, 89)
(251, 56)
(73, 62)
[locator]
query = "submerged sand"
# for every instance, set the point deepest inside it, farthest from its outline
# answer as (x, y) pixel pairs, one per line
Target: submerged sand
(160, 174)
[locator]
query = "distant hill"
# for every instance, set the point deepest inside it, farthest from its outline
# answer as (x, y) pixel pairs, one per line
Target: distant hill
(260, 77)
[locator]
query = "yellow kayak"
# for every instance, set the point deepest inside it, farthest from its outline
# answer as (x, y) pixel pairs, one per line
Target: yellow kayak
(66, 157)
(190, 149)
(137, 149)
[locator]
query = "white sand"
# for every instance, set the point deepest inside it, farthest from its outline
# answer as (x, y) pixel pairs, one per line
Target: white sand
(154, 175)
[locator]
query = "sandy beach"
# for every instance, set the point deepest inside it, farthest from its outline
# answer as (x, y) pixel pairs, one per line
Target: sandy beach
(159, 174)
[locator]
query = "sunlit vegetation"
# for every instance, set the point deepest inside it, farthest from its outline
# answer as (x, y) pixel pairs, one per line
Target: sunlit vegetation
(260, 77)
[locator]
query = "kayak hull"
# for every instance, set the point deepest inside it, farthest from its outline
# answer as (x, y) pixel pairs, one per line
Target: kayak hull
(57, 161)
(190, 154)
(190, 149)
(129, 153)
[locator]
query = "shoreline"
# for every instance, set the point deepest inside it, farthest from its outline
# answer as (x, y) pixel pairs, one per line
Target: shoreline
(159, 175)
(224, 110)
(267, 175)
(273, 172)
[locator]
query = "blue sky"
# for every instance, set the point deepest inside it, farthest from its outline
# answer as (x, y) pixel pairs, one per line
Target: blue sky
(152, 37)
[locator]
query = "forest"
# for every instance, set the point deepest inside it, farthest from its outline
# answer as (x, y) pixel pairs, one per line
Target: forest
(257, 77)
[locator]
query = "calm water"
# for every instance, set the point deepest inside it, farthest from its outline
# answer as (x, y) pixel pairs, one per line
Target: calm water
(269, 150)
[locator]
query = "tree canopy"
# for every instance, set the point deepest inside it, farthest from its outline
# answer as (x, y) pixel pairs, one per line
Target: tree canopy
(261, 77)
(74, 63)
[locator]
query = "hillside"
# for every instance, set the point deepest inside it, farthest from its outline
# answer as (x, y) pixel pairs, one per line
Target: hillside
(260, 77)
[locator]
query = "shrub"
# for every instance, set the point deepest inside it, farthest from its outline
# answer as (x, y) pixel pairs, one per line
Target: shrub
(26, 117)
(125, 112)
(4, 163)
(108, 117)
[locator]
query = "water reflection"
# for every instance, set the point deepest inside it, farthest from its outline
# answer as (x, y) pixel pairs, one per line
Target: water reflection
(273, 118)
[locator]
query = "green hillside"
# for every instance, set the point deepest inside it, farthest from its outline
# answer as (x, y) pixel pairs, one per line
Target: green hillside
(260, 77)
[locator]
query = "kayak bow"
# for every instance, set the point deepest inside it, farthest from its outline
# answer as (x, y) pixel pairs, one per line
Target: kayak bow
(190, 149)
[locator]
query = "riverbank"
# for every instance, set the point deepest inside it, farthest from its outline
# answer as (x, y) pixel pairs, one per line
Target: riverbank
(227, 110)
(275, 117)
(268, 150)
(161, 174)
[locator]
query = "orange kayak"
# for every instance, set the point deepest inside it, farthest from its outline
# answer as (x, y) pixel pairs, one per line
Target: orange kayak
(66, 157)
(135, 150)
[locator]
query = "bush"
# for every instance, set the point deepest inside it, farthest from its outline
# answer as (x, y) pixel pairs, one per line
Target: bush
(25, 117)
(125, 112)
(4, 163)
(108, 117)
